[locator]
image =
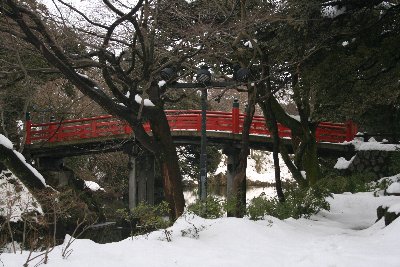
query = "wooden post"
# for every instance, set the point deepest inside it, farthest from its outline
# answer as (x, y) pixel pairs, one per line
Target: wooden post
(28, 128)
(93, 128)
(132, 184)
(52, 129)
(150, 179)
(232, 162)
(235, 116)
(351, 130)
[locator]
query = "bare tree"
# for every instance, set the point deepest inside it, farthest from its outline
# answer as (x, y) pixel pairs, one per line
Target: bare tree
(131, 71)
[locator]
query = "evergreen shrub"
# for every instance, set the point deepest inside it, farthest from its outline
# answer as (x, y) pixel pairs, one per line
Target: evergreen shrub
(147, 217)
(211, 208)
(358, 182)
(299, 202)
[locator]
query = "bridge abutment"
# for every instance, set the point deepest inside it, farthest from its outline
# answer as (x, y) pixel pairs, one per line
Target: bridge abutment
(141, 177)
(232, 154)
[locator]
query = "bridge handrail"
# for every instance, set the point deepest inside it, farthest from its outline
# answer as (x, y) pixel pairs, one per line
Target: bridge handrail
(108, 125)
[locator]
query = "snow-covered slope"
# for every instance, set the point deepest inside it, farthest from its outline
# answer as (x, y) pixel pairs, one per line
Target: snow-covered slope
(15, 199)
(345, 236)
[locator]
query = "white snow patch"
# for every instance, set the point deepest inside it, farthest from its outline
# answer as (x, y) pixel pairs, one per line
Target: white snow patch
(32, 169)
(161, 83)
(394, 188)
(128, 94)
(146, 102)
(345, 43)
(264, 172)
(93, 186)
(249, 44)
(394, 208)
(333, 11)
(373, 145)
(342, 163)
(83, 75)
(15, 198)
(6, 142)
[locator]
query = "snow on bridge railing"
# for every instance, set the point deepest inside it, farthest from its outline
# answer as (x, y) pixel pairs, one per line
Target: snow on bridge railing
(179, 120)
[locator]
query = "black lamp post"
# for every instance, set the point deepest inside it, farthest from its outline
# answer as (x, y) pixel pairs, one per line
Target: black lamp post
(203, 78)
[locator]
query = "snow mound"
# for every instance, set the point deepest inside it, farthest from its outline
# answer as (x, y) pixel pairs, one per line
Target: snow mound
(342, 163)
(374, 145)
(15, 199)
(93, 186)
(394, 188)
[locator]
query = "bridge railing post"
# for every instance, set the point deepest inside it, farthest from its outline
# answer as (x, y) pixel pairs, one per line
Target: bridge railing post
(28, 128)
(93, 128)
(235, 116)
(52, 130)
(351, 130)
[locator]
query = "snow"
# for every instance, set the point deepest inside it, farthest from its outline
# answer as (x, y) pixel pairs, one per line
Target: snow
(266, 172)
(342, 163)
(249, 44)
(8, 144)
(161, 83)
(29, 166)
(15, 199)
(93, 186)
(394, 208)
(146, 102)
(394, 188)
(345, 236)
(5, 142)
(333, 11)
(372, 144)
(345, 43)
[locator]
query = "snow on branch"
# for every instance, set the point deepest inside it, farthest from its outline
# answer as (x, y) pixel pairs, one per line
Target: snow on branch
(16, 163)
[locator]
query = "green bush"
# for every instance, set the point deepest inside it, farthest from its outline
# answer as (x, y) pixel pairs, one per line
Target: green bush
(359, 182)
(211, 208)
(299, 203)
(147, 217)
(394, 162)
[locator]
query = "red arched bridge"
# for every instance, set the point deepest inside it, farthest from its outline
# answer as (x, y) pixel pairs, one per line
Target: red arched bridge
(107, 133)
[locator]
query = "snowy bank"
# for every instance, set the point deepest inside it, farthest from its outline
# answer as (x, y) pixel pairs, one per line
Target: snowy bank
(345, 236)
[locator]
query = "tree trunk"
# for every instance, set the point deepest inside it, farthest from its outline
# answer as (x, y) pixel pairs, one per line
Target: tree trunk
(239, 182)
(168, 159)
(273, 127)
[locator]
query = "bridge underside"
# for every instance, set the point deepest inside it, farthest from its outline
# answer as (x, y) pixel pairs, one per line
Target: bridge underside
(118, 143)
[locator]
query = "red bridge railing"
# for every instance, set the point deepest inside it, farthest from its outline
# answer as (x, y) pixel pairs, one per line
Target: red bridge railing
(232, 122)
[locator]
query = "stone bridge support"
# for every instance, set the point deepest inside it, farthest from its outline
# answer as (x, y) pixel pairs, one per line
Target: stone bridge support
(54, 171)
(232, 154)
(141, 177)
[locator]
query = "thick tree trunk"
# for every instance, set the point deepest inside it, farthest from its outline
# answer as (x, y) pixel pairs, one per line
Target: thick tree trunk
(172, 178)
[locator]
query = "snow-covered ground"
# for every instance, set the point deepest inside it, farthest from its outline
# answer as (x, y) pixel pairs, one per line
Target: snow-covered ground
(345, 236)
(262, 171)
(15, 198)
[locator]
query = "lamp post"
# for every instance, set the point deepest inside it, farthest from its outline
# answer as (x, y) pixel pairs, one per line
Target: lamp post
(203, 76)
(203, 82)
